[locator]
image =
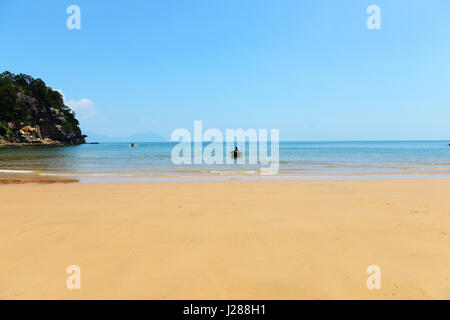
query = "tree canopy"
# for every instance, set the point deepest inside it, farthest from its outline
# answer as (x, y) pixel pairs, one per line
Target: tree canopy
(10, 106)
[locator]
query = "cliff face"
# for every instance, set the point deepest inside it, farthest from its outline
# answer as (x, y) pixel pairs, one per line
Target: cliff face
(32, 113)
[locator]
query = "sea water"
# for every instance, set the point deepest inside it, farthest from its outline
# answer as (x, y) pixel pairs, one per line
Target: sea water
(297, 160)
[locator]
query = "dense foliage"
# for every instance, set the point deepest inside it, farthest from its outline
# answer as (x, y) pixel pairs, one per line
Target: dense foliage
(14, 110)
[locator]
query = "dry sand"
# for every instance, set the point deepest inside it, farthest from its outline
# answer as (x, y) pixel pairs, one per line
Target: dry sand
(226, 240)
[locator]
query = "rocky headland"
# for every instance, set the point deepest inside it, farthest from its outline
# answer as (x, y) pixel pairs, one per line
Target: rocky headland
(33, 114)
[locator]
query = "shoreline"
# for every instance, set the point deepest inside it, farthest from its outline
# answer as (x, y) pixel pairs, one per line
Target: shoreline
(38, 143)
(226, 240)
(29, 176)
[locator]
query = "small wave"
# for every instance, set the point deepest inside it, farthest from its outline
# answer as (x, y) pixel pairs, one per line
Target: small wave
(188, 171)
(87, 174)
(223, 172)
(399, 167)
(16, 171)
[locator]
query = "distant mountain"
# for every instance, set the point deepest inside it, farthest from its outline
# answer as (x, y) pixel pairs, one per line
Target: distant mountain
(32, 113)
(138, 137)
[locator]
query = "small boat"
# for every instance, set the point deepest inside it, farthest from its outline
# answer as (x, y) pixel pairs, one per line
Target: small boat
(236, 154)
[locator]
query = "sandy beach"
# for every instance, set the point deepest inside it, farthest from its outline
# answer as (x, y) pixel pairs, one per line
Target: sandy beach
(226, 240)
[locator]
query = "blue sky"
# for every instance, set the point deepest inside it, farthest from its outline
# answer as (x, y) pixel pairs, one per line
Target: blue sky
(309, 68)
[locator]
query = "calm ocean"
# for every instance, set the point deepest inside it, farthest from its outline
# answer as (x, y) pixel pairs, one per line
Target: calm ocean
(298, 160)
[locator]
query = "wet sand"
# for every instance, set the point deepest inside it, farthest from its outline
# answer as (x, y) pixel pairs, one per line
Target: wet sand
(226, 240)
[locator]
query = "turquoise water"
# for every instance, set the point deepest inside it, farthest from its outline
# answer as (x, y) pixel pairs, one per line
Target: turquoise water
(296, 160)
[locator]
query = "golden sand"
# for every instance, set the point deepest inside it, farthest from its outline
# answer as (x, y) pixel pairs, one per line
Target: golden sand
(226, 240)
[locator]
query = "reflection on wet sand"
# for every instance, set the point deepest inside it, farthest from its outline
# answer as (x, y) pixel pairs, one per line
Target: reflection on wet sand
(35, 180)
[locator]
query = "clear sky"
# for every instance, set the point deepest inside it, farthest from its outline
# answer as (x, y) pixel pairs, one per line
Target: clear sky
(309, 68)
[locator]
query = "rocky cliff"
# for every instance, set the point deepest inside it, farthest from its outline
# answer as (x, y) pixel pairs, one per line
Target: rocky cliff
(32, 113)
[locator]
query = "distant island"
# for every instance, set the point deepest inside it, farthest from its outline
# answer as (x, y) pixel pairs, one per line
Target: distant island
(33, 114)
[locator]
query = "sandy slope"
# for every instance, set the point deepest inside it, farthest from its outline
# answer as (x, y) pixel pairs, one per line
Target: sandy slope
(226, 240)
